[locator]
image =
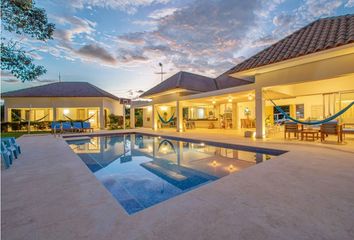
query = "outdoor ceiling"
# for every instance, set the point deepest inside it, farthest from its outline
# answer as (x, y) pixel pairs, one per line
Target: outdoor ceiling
(226, 98)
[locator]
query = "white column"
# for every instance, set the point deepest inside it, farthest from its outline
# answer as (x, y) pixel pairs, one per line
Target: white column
(6, 113)
(101, 116)
(153, 117)
(260, 118)
(123, 116)
(54, 114)
(179, 115)
(132, 117)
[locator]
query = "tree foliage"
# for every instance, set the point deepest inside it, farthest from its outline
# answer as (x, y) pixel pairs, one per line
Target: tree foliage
(23, 18)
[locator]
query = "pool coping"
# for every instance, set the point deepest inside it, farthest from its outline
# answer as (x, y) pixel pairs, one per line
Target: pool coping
(271, 151)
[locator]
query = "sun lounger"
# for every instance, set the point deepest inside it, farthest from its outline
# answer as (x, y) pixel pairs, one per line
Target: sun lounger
(66, 127)
(55, 126)
(6, 155)
(10, 147)
(86, 126)
(77, 126)
(14, 143)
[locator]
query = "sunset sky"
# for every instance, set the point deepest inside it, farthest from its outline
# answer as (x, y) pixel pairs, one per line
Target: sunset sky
(117, 45)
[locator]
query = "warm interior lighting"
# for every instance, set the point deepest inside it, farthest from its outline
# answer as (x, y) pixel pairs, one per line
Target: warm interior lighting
(231, 168)
(150, 148)
(250, 97)
(149, 108)
(213, 102)
(230, 99)
(164, 150)
(163, 108)
(214, 163)
(202, 144)
(66, 111)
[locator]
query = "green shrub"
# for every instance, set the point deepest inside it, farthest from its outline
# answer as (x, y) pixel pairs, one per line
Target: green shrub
(115, 121)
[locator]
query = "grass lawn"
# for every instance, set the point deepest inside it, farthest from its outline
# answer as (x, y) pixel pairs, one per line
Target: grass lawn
(19, 134)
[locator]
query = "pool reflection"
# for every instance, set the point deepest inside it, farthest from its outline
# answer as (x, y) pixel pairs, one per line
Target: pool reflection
(142, 170)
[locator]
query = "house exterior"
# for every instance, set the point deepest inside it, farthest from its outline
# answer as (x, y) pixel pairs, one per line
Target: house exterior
(309, 73)
(63, 101)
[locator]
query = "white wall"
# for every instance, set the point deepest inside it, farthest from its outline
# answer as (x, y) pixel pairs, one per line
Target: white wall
(147, 114)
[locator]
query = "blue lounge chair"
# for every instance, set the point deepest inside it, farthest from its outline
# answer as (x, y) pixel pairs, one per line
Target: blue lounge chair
(11, 147)
(87, 126)
(66, 127)
(5, 159)
(14, 143)
(6, 155)
(77, 126)
(55, 126)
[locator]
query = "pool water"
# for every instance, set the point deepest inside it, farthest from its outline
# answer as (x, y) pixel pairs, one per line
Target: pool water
(142, 170)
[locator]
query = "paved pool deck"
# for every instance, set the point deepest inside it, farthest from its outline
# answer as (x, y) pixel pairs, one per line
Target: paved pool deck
(306, 193)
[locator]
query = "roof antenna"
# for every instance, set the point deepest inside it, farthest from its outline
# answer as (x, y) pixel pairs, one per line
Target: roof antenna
(162, 72)
(59, 77)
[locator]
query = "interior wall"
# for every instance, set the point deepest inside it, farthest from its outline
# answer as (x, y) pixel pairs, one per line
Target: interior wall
(241, 106)
(147, 117)
(313, 105)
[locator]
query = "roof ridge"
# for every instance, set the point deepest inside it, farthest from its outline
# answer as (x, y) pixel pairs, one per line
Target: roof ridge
(178, 83)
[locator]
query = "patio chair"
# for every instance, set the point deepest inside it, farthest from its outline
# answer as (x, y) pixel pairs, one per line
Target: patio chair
(331, 128)
(348, 128)
(86, 126)
(6, 155)
(290, 127)
(77, 126)
(11, 147)
(55, 127)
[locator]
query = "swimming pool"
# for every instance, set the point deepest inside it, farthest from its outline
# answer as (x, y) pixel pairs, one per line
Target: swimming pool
(143, 170)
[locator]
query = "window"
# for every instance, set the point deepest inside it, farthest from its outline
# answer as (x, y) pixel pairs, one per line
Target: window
(15, 115)
(300, 111)
(202, 112)
(279, 116)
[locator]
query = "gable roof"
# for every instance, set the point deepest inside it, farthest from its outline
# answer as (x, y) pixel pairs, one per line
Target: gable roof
(322, 34)
(225, 81)
(183, 80)
(61, 89)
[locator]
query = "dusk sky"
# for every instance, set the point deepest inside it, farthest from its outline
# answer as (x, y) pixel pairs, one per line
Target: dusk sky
(117, 44)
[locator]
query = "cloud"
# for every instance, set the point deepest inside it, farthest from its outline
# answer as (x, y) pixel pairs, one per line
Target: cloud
(10, 80)
(313, 9)
(161, 13)
(129, 6)
(73, 26)
(92, 51)
(70, 38)
(136, 38)
(203, 36)
(131, 56)
(349, 4)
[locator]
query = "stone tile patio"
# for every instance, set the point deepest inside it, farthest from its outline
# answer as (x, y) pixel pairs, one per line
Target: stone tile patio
(306, 193)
